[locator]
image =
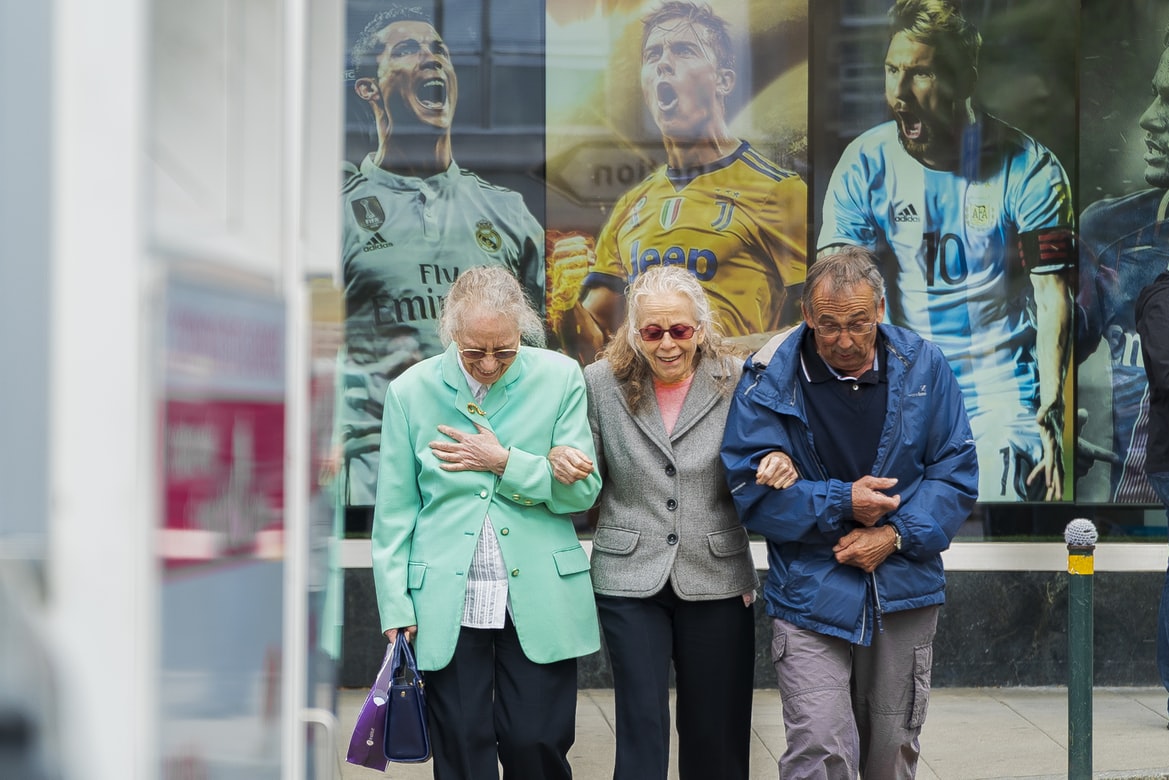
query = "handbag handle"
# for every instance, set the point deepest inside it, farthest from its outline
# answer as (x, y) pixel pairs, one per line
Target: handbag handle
(402, 660)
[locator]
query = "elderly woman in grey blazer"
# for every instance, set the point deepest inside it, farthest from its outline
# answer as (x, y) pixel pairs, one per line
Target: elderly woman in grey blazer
(671, 564)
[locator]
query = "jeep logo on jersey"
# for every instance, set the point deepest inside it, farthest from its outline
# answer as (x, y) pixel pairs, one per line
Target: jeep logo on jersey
(487, 236)
(671, 209)
(368, 213)
(703, 263)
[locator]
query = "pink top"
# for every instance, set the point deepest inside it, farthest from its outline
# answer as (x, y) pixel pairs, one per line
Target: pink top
(670, 400)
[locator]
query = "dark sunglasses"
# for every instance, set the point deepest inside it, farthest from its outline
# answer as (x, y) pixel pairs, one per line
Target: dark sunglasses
(677, 332)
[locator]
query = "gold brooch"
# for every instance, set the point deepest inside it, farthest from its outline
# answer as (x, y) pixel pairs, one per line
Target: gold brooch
(473, 408)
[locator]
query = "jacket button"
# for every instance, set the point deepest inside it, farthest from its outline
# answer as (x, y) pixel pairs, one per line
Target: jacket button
(482, 494)
(670, 470)
(515, 572)
(671, 505)
(672, 539)
(503, 531)
(515, 496)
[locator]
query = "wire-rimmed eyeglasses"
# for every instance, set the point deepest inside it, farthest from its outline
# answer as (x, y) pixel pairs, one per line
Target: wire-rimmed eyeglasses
(855, 329)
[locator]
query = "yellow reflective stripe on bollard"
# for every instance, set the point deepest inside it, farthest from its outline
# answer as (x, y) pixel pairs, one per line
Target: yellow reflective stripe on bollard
(1080, 564)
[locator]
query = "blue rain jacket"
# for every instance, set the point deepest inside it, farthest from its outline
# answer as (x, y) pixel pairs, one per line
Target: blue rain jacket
(925, 444)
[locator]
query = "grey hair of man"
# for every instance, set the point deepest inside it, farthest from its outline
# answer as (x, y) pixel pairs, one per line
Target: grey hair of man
(940, 24)
(718, 36)
(842, 268)
(627, 361)
(369, 45)
(488, 289)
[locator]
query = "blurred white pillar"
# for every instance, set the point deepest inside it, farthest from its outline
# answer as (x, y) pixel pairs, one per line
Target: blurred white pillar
(103, 457)
(25, 232)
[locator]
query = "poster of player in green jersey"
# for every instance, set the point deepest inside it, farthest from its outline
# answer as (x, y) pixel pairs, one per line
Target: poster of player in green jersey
(444, 145)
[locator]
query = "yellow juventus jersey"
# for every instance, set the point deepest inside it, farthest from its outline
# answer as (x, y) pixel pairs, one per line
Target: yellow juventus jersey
(739, 225)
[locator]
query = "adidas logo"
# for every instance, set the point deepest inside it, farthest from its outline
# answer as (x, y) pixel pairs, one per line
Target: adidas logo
(907, 214)
(375, 243)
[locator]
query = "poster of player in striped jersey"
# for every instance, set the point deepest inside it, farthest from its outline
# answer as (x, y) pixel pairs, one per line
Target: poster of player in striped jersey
(944, 145)
(1124, 239)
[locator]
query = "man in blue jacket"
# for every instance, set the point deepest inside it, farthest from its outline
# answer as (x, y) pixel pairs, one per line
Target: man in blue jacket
(874, 421)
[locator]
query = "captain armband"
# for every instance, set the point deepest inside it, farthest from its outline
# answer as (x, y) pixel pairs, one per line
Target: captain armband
(1047, 251)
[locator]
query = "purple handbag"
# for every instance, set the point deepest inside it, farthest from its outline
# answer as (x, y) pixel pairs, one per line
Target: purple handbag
(367, 745)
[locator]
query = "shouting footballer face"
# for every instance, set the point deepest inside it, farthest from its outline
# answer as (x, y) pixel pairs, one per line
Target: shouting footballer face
(415, 81)
(681, 80)
(926, 99)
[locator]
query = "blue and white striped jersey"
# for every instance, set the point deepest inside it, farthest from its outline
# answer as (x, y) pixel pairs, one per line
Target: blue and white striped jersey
(958, 249)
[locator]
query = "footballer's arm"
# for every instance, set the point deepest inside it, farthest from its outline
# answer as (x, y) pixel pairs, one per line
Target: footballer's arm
(1053, 325)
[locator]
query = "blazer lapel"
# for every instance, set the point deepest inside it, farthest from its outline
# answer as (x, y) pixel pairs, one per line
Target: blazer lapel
(504, 390)
(647, 417)
(495, 400)
(452, 375)
(704, 393)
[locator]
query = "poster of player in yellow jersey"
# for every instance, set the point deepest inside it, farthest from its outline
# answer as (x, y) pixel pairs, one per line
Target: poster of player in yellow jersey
(676, 134)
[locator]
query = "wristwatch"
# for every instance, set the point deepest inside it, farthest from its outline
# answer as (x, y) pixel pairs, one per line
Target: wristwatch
(896, 538)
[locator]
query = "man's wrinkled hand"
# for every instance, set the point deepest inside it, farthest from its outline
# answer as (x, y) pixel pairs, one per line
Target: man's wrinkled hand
(865, 548)
(869, 504)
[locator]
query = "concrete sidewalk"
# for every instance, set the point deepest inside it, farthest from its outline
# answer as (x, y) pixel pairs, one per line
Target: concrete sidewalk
(970, 733)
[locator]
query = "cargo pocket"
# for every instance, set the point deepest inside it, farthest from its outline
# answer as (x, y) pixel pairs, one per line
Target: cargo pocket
(923, 662)
(778, 643)
(415, 575)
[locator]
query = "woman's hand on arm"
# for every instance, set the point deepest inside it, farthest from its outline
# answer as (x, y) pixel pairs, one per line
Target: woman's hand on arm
(776, 470)
(569, 464)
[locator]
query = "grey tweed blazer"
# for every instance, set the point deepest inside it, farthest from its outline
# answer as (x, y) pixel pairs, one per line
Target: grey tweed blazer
(665, 511)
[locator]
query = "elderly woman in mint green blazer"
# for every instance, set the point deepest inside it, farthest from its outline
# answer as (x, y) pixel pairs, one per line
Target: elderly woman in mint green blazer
(474, 552)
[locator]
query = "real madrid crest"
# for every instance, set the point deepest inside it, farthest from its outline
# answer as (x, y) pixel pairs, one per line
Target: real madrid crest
(487, 236)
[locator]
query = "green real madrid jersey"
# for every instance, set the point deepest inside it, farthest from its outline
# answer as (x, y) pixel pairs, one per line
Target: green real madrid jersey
(403, 242)
(739, 225)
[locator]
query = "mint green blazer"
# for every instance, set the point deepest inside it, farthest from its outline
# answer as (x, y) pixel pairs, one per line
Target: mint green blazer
(427, 521)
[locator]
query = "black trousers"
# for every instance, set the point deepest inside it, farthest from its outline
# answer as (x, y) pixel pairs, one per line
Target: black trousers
(712, 646)
(492, 704)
